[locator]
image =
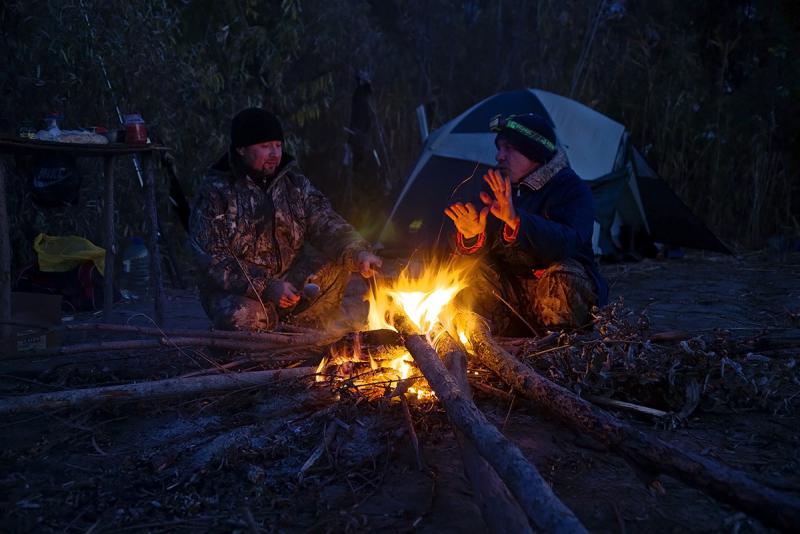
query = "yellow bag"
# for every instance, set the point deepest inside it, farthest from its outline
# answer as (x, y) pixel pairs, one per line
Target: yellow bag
(64, 253)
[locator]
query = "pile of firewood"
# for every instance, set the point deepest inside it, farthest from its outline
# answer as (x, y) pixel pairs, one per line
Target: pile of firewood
(510, 492)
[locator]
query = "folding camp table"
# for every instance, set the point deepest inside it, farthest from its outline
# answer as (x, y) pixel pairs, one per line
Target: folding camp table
(109, 153)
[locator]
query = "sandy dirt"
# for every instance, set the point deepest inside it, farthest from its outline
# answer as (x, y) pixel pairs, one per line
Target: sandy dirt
(231, 463)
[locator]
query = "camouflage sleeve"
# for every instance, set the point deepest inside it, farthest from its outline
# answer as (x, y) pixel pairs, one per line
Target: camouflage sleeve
(328, 231)
(218, 267)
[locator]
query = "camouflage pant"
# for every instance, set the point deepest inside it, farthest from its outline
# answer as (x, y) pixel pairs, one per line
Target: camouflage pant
(561, 297)
(235, 312)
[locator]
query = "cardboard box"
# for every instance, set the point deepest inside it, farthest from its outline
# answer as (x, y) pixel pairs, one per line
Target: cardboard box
(36, 317)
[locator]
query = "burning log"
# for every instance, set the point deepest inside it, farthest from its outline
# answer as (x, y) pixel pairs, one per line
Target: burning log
(533, 494)
(157, 389)
(372, 362)
(641, 450)
(500, 511)
(355, 341)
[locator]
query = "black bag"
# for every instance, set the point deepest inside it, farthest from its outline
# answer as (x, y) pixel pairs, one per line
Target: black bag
(55, 181)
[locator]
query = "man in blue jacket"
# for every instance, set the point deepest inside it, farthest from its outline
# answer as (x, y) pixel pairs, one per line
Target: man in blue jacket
(532, 235)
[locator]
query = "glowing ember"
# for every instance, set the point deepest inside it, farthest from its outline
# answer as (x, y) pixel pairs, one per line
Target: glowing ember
(426, 299)
(386, 368)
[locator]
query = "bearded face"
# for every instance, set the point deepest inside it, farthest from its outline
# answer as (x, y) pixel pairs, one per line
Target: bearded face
(262, 159)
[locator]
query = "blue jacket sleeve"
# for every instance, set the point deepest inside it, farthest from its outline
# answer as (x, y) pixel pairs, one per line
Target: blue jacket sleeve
(565, 224)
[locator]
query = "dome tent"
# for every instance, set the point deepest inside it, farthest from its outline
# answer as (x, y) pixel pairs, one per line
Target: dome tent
(626, 191)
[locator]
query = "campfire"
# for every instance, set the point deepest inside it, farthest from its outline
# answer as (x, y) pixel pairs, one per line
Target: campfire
(415, 345)
(426, 298)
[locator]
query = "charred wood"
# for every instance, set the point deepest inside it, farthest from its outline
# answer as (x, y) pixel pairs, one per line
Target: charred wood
(533, 494)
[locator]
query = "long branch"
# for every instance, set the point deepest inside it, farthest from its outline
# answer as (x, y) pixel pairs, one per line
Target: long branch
(142, 344)
(533, 494)
(500, 511)
(148, 390)
(274, 338)
(644, 450)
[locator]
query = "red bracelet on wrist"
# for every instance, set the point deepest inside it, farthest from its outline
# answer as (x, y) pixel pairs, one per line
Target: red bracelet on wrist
(509, 235)
(464, 249)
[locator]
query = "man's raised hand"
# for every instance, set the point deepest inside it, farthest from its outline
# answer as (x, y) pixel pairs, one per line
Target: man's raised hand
(501, 205)
(468, 220)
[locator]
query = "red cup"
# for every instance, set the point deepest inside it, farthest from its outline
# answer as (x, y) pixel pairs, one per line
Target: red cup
(135, 130)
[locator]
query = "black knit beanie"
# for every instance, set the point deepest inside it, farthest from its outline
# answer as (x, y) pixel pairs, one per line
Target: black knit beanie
(254, 125)
(530, 134)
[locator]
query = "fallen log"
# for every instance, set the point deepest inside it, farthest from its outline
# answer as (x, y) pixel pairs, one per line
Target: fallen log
(275, 338)
(253, 359)
(294, 329)
(152, 390)
(642, 450)
(500, 511)
(168, 342)
(542, 507)
(32, 366)
(233, 344)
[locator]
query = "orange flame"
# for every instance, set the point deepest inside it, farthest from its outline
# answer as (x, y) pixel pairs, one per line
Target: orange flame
(425, 297)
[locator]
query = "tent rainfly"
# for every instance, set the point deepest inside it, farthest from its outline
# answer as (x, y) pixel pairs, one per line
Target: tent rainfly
(627, 192)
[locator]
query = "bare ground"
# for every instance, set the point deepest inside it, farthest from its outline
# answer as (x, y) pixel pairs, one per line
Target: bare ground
(232, 462)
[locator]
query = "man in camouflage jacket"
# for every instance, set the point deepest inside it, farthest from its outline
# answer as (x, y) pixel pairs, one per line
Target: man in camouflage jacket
(254, 216)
